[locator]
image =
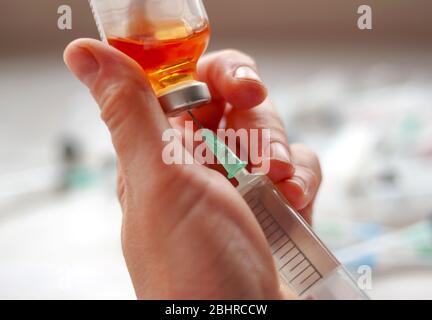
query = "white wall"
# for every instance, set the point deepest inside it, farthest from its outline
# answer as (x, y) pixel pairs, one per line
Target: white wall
(31, 25)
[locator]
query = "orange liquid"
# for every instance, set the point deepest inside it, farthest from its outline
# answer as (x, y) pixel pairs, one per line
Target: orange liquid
(166, 61)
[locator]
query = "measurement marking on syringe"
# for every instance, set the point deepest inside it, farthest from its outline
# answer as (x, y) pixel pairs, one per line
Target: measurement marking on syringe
(290, 247)
(257, 214)
(294, 265)
(267, 223)
(263, 219)
(301, 261)
(308, 277)
(260, 214)
(266, 219)
(274, 236)
(286, 242)
(300, 274)
(307, 273)
(297, 254)
(271, 234)
(269, 226)
(263, 215)
(271, 231)
(258, 210)
(256, 206)
(277, 240)
(307, 288)
(252, 199)
(290, 260)
(253, 202)
(286, 253)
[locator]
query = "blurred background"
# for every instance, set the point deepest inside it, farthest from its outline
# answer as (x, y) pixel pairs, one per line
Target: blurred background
(361, 99)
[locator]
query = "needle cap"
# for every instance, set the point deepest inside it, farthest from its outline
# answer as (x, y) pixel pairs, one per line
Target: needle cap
(226, 157)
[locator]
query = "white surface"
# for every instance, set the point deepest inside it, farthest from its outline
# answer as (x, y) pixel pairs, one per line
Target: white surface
(402, 285)
(66, 248)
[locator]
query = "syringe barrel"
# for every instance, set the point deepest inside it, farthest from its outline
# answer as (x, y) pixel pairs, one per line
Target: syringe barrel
(338, 285)
(303, 261)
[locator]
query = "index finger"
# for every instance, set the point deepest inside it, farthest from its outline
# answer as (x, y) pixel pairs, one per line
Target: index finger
(232, 78)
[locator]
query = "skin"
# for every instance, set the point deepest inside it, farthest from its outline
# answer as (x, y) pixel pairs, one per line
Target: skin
(187, 233)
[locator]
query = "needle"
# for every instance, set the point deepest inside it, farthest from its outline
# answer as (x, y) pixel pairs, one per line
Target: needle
(227, 158)
(195, 120)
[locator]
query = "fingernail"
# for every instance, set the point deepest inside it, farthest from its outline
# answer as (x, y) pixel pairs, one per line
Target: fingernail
(301, 183)
(83, 64)
(246, 73)
(280, 152)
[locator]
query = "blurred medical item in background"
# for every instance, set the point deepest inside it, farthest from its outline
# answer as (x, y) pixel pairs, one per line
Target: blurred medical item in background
(361, 99)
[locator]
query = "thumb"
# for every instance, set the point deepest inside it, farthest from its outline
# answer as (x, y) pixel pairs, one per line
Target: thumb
(126, 100)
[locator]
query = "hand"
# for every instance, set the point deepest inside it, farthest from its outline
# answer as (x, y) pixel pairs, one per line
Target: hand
(236, 90)
(186, 232)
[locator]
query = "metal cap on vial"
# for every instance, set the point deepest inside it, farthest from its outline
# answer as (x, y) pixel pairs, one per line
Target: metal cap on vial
(184, 97)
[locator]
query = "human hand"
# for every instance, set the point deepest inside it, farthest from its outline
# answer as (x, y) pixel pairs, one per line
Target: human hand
(237, 90)
(186, 232)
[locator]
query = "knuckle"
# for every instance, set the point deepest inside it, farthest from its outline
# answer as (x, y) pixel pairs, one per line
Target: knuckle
(304, 150)
(237, 56)
(278, 134)
(313, 162)
(112, 101)
(310, 177)
(315, 179)
(121, 188)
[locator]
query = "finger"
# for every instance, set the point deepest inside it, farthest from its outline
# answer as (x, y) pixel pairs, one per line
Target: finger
(121, 186)
(302, 188)
(127, 102)
(275, 153)
(232, 78)
(307, 213)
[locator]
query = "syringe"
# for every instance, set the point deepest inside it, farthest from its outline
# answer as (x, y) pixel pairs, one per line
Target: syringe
(302, 260)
